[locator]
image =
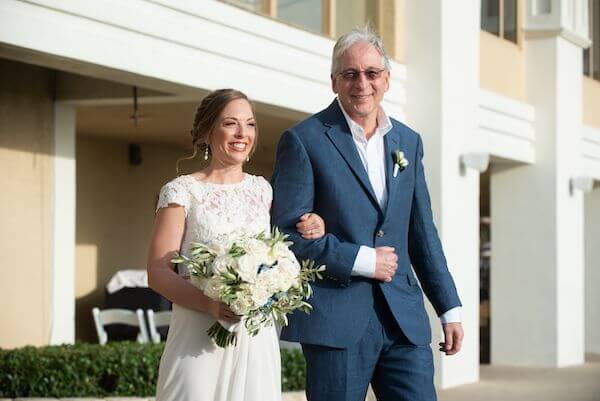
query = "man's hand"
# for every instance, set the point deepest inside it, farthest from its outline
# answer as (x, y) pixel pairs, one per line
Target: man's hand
(453, 338)
(386, 263)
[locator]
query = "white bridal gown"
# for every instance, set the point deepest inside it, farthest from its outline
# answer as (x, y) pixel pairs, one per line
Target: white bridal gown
(192, 367)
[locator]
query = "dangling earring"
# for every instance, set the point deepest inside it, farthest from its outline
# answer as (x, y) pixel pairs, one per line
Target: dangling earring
(206, 152)
(247, 158)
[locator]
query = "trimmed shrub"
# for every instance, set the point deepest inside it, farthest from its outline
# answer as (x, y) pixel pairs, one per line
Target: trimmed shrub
(92, 370)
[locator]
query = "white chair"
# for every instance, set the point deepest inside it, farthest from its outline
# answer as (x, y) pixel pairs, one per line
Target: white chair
(157, 319)
(119, 316)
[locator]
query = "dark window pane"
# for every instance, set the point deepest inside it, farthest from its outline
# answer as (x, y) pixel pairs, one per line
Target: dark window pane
(596, 39)
(490, 16)
(586, 62)
(303, 13)
(510, 20)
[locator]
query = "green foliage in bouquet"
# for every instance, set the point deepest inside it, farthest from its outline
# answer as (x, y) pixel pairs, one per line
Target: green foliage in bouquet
(233, 288)
(119, 369)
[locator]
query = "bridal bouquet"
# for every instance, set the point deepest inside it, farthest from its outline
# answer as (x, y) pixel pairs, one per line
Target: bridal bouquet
(257, 277)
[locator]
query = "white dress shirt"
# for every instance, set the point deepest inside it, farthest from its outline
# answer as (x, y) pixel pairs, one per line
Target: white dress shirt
(372, 155)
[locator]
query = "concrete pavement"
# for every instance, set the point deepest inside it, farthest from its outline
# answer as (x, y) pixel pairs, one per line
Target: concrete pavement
(497, 383)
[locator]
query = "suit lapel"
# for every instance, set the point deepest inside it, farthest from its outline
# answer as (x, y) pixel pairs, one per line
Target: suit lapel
(339, 134)
(345, 145)
(392, 142)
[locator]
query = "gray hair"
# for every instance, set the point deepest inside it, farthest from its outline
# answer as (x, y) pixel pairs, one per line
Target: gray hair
(357, 35)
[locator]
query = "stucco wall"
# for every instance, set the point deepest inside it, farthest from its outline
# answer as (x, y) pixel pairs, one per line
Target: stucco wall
(502, 66)
(591, 102)
(115, 211)
(26, 132)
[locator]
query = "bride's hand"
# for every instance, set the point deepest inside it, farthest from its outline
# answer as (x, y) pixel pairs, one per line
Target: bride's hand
(311, 226)
(221, 311)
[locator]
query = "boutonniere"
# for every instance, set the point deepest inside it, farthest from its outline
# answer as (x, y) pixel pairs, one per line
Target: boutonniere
(400, 162)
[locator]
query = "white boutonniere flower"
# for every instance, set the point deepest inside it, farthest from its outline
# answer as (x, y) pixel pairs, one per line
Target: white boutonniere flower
(400, 162)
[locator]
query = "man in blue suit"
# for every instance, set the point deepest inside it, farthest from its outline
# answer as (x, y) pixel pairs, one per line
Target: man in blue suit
(363, 173)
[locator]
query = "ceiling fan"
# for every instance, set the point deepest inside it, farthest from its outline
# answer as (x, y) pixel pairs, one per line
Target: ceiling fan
(137, 117)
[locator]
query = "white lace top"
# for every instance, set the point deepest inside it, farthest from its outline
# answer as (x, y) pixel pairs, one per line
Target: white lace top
(219, 213)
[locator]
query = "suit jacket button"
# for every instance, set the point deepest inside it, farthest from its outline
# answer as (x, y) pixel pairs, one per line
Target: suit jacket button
(380, 233)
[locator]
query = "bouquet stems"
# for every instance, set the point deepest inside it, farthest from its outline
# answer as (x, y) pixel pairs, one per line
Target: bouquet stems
(221, 336)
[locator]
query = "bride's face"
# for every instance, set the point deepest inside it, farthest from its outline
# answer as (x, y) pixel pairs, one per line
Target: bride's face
(233, 137)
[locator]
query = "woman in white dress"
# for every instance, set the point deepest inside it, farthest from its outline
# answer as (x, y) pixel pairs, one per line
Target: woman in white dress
(218, 203)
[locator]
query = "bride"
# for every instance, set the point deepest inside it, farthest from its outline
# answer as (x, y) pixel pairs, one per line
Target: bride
(219, 202)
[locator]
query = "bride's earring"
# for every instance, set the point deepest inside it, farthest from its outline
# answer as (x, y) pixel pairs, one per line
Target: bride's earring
(247, 158)
(206, 152)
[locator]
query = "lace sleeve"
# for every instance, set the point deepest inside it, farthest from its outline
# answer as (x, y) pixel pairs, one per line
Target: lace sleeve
(174, 192)
(266, 192)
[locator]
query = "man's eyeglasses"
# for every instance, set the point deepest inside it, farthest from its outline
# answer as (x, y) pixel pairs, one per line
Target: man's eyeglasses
(371, 74)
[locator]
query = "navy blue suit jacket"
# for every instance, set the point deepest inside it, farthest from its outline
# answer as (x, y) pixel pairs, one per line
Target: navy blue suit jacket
(318, 169)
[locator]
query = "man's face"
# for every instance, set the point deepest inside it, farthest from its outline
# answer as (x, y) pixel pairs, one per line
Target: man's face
(361, 81)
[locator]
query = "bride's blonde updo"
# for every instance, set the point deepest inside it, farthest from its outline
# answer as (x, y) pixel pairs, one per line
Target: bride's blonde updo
(207, 117)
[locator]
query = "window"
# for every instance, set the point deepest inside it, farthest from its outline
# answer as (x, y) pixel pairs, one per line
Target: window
(499, 17)
(591, 56)
(356, 13)
(328, 17)
(490, 16)
(304, 13)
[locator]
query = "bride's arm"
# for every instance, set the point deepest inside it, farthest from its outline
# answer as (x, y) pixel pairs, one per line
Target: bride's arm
(166, 240)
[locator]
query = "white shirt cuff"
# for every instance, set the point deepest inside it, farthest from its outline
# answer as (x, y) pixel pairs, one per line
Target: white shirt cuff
(451, 316)
(364, 264)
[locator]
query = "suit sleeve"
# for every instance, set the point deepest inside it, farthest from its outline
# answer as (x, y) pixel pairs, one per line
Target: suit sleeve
(293, 195)
(425, 248)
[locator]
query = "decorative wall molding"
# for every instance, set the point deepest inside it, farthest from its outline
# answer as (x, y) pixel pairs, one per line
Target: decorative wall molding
(505, 128)
(566, 18)
(179, 47)
(591, 151)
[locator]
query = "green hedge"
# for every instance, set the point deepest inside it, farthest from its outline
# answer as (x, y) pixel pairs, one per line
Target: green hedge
(91, 370)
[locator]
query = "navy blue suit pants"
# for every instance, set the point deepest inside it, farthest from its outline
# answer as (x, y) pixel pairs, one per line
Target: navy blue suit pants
(397, 369)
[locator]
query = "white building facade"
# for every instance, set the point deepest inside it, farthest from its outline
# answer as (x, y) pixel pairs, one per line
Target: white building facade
(506, 95)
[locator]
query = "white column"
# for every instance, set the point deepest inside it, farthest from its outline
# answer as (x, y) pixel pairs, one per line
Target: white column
(442, 59)
(592, 271)
(63, 227)
(537, 220)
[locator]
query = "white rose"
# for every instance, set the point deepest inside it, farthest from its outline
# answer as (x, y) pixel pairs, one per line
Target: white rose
(286, 280)
(260, 295)
(247, 268)
(288, 274)
(290, 266)
(212, 287)
(242, 304)
(269, 280)
(256, 248)
(221, 263)
(280, 250)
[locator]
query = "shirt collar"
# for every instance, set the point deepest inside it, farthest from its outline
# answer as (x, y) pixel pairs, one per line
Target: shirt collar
(384, 124)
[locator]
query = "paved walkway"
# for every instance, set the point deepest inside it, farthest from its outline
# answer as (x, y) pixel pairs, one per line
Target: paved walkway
(577, 383)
